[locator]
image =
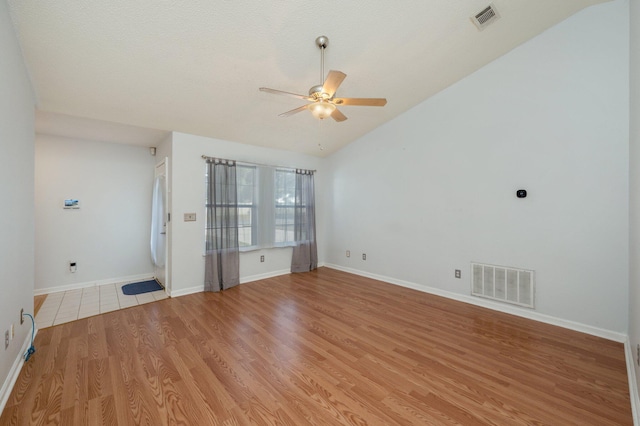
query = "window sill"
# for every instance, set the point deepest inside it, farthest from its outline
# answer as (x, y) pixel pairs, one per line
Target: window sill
(256, 248)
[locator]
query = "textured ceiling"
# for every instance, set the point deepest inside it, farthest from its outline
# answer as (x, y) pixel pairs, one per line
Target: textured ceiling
(196, 66)
(52, 123)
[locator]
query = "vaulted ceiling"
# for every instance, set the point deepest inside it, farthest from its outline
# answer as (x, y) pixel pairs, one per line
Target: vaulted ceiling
(196, 66)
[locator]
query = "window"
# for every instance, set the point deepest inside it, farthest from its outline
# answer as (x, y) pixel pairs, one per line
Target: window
(266, 198)
(285, 197)
(246, 177)
(218, 226)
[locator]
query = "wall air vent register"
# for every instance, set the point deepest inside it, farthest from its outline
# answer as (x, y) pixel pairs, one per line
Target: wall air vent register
(505, 284)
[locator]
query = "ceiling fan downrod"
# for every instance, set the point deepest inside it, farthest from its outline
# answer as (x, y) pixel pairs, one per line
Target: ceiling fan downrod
(322, 43)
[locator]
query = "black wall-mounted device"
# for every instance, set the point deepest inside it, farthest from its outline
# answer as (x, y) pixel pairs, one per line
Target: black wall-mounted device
(521, 193)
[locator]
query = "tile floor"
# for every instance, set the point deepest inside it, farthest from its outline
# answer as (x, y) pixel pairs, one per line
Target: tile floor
(71, 305)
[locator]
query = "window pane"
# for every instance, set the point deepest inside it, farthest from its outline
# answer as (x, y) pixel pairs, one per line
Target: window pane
(284, 233)
(244, 217)
(245, 175)
(245, 194)
(246, 178)
(244, 236)
(289, 233)
(284, 201)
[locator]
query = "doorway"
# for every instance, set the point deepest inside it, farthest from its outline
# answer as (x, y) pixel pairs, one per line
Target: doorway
(159, 225)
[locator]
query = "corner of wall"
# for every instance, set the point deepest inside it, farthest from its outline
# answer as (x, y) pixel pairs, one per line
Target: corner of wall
(14, 372)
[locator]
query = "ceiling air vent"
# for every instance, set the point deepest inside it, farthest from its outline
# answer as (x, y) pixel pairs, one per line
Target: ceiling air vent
(485, 17)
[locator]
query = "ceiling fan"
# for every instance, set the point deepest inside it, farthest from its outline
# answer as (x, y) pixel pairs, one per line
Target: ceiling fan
(323, 102)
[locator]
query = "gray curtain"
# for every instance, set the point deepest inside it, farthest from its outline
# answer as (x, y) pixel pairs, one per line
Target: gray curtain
(222, 258)
(305, 250)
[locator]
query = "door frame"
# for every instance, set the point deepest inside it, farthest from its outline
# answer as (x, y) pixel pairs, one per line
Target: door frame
(162, 169)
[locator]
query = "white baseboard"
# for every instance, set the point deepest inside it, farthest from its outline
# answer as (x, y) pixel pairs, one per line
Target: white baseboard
(633, 383)
(185, 291)
(521, 312)
(75, 286)
(14, 372)
(243, 280)
(264, 276)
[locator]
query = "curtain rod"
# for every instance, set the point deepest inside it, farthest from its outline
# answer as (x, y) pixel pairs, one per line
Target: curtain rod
(206, 157)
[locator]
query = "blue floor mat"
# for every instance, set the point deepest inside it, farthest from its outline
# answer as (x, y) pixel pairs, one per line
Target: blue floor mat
(141, 287)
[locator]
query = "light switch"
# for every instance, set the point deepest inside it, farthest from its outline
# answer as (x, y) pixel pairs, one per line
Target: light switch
(189, 217)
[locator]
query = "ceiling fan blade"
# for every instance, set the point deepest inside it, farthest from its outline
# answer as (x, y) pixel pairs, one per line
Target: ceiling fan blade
(360, 101)
(332, 82)
(293, 111)
(337, 115)
(281, 92)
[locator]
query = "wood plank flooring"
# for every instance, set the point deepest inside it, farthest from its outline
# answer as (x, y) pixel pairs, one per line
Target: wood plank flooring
(320, 348)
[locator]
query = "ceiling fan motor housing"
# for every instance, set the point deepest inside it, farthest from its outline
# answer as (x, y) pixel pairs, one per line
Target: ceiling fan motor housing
(316, 92)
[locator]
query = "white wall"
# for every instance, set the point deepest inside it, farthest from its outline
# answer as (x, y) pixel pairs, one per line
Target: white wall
(434, 189)
(108, 236)
(634, 183)
(16, 190)
(188, 196)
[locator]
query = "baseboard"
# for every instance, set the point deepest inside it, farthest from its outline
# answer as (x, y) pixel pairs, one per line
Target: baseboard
(264, 276)
(185, 291)
(633, 383)
(14, 372)
(271, 274)
(521, 312)
(76, 286)
(243, 280)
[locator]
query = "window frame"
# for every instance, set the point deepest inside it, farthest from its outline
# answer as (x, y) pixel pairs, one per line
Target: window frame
(263, 208)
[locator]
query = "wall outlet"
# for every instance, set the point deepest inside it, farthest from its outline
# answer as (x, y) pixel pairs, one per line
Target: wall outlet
(6, 340)
(73, 267)
(458, 273)
(364, 256)
(262, 258)
(348, 253)
(189, 217)
(21, 316)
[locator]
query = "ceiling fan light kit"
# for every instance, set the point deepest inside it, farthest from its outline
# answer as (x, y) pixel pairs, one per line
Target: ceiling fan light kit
(323, 104)
(321, 109)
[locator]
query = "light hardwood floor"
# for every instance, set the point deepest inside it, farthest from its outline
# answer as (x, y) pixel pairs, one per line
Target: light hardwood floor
(318, 348)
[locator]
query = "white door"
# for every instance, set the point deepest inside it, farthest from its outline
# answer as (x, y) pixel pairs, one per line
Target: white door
(159, 228)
